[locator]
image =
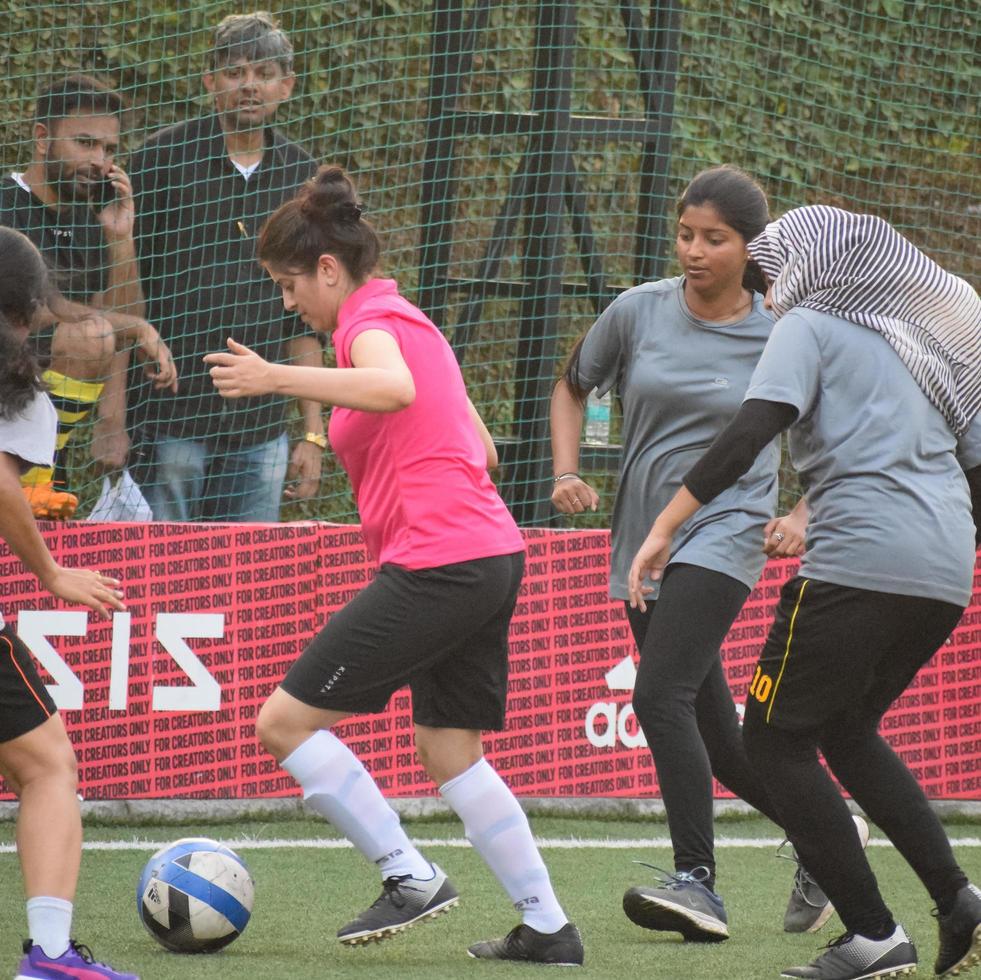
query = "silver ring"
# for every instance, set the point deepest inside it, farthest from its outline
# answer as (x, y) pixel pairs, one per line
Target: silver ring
(778, 537)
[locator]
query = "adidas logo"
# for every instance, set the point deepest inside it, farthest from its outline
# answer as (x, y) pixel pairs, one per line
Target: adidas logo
(608, 722)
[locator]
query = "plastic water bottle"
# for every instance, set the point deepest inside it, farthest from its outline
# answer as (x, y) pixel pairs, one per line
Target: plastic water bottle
(598, 419)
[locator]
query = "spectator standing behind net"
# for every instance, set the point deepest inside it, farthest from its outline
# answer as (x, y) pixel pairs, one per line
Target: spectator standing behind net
(436, 616)
(75, 203)
(875, 367)
(36, 757)
(203, 190)
(680, 353)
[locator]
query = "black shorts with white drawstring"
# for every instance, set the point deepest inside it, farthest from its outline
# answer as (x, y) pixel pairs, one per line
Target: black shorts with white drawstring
(441, 631)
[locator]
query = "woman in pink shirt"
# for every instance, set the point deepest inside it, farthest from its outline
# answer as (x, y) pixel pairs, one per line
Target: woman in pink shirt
(436, 615)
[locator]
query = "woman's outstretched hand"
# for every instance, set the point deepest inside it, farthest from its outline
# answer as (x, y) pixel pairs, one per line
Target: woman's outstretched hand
(239, 372)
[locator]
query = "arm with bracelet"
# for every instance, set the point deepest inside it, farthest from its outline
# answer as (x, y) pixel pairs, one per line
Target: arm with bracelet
(306, 458)
(570, 493)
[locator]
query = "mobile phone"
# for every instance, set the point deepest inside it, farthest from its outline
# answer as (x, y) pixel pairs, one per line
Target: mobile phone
(103, 193)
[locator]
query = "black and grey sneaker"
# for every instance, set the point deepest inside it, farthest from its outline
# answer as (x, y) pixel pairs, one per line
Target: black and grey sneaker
(403, 902)
(682, 904)
(808, 908)
(960, 934)
(851, 957)
(526, 945)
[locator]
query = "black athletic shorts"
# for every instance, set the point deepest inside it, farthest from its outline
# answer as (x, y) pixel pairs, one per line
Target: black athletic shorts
(835, 651)
(24, 700)
(443, 631)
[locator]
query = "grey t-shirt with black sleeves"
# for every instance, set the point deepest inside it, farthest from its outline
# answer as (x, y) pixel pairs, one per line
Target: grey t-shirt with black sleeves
(890, 509)
(30, 436)
(681, 380)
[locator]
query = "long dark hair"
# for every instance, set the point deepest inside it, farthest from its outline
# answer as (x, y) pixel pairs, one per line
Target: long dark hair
(23, 288)
(741, 203)
(325, 218)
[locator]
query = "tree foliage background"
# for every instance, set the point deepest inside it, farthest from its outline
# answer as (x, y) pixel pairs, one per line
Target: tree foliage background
(869, 104)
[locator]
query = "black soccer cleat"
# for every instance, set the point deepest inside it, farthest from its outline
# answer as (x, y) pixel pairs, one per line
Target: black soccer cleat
(404, 901)
(853, 957)
(526, 945)
(960, 934)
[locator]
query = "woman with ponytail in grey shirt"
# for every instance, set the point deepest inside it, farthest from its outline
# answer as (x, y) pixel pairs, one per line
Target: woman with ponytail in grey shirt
(680, 353)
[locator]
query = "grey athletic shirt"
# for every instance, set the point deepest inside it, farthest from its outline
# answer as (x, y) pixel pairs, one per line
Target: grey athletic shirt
(681, 380)
(889, 503)
(30, 436)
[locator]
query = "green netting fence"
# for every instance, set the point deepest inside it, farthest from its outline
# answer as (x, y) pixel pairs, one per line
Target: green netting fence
(522, 160)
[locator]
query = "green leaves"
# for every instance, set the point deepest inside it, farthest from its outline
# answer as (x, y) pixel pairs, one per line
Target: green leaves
(871, 104)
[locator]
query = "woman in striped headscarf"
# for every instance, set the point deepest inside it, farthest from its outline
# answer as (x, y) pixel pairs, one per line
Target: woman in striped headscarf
(882, 444)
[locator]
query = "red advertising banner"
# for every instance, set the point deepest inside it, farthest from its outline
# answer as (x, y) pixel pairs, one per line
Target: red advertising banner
(161, 701)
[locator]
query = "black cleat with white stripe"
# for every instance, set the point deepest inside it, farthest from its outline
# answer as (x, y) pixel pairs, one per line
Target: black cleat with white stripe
(854, 957)
(404, 901)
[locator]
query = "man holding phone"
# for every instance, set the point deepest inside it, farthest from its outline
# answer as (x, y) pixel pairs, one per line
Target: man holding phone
(76, 204)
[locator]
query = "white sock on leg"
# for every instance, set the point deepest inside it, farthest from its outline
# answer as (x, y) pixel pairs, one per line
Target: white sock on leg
(497, 827)
(49, 924)
(337, 786)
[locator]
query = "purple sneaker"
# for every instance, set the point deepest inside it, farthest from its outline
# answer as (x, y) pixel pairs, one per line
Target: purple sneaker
(76, 963)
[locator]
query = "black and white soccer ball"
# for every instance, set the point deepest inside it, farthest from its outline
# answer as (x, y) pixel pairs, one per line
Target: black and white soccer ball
(195, 896)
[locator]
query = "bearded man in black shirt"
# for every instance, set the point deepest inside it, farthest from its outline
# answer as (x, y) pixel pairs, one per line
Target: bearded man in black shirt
(75, 203)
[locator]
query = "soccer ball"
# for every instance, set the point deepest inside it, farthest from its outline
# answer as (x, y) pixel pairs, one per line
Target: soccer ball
(195, 896)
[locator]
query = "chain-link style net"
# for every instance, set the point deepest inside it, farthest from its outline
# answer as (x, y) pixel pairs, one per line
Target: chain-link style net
(521, 161)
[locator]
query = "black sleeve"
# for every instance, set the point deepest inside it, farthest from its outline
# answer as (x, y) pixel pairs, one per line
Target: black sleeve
(736, 447)
(974, 483)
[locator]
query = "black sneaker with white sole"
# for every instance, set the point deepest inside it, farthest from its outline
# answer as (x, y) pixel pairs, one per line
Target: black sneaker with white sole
(681, 903)
(404, 901)
(526, 945)
(960, 934)
(852, 957)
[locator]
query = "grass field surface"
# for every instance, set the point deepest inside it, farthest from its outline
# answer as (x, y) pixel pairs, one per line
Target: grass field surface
(308, 884)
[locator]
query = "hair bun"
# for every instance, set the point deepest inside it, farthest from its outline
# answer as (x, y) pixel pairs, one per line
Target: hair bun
(324, 218)
(330, 194)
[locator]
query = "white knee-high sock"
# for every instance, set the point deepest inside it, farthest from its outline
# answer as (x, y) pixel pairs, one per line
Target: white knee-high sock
(497, 827)
(338, 787)
(49, 924)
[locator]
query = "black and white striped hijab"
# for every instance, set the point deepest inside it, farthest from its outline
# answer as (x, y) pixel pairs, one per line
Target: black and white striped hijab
(857, 267)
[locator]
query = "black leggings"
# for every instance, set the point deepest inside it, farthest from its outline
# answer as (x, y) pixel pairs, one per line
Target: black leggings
(685, 708)
(880, 641)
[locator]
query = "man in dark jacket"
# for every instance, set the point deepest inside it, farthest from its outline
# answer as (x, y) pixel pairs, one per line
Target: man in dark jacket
(203, 190)
(73, 201)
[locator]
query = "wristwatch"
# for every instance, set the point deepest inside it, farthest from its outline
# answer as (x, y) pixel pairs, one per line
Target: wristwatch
(317, 438)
